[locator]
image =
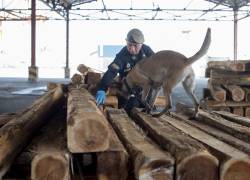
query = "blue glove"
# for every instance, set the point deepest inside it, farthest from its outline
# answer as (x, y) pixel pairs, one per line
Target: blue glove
(100, 97)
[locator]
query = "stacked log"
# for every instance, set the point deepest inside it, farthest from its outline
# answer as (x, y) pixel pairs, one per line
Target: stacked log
(149, 161)
(220, 136)
(193, 160)
(16, 134)
(228, 87)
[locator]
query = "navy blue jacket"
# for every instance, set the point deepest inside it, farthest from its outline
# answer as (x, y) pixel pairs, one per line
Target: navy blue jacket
(122, 64)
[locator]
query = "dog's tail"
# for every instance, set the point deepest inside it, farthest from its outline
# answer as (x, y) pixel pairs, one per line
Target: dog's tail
(203, 49)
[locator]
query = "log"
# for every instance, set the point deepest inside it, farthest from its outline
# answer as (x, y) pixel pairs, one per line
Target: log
(111, 101)
(229, 139)
(226, 77)
(216, 91)
(236, 169)
(193, 161)
(83, 69)
(212, 103)
(87, 128)
(6, 117)
(224, 152)
(51, 85)
(93, 78)
(247, 94)
(237, 130)
(236, 92)
(234, 118)
(238, 66)
(239, 111)
(77, 79)
(247, 112)
(113, 163)
(149, 161)
(50, 157)
(15, 135)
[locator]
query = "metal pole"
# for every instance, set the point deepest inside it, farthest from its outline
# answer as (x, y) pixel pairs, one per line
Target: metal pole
(67, 70)
(235, 32)
(33, 33)
(33, 70)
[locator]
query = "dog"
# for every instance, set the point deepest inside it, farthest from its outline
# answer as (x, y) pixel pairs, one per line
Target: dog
(165, 69)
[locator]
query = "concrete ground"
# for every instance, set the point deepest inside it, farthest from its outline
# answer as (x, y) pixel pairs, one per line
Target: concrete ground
(18, 93)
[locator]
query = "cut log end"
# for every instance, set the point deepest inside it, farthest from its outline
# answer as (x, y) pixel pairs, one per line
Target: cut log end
(91, 138)
(236, 169)
(198, 166)
(50, 166)
(158, 169)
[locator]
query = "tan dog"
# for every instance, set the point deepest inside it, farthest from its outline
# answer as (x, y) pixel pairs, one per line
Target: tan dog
(165, 69)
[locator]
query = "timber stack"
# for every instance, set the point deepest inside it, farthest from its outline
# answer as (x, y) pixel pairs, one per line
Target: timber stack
(63, 135)
(228, 87)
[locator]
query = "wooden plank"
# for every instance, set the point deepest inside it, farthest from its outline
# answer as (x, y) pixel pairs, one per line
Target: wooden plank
(238, 66)
(227, 138)
(216, 91)
(85, 122)
(113, 163)
(193, 161)
(237, 130)
(149, 161)
(15, 135)
(224, 152)
(236, 93)
(234, 118)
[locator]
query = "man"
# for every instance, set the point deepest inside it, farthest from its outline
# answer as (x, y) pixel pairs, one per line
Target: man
(124, 61)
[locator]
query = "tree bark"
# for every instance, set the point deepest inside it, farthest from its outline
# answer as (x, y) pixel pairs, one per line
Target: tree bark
(15, 135)
(193, 161)
(149, 161)
(87, 128)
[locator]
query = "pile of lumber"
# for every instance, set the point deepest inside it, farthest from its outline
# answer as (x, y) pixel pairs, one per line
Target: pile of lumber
(63, 135)
(228, 87)
(90, 79)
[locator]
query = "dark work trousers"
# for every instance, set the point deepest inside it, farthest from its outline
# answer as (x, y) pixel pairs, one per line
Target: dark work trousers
(128, 105)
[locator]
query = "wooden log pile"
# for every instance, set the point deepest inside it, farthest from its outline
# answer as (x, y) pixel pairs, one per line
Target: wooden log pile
(228, 87)
(63, 135)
